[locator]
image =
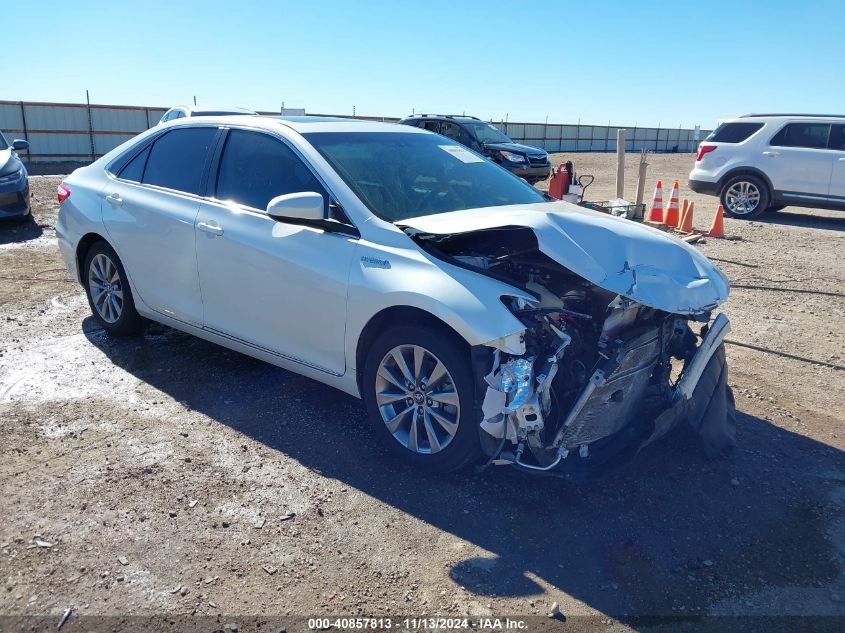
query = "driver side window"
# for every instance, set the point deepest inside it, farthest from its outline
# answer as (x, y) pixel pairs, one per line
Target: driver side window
(255, 168)
(457, 133)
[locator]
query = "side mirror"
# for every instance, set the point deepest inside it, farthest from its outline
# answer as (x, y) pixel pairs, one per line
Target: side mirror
(19, 145)
(307, 205)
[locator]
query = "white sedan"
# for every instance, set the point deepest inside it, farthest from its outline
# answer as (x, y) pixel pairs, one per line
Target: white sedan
(476, 318)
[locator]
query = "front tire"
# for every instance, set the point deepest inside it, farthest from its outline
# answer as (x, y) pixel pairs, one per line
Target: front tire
(418, 391)
(108, 292)
(745, 197)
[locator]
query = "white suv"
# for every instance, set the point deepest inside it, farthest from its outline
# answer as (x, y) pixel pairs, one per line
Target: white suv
(764, 162)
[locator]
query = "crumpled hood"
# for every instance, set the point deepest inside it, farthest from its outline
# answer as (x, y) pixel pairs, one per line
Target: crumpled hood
(635, 261)
(8, 163)
(515, 147)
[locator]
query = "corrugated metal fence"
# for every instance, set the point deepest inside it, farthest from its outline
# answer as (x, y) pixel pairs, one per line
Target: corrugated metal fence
(78, 132)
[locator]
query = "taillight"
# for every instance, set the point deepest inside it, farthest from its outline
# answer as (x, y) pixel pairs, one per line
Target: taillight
(702, 150)
(62, 192)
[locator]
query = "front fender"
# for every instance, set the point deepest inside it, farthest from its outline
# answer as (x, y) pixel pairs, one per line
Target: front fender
(467, 301)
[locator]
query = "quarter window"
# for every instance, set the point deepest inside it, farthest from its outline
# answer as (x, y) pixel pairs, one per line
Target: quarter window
(177, 159)
(810, 135)
(134, 170)
(734, 132)
(256, 168)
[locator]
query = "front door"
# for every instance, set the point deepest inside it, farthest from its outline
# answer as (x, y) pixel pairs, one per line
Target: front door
(837, 146)
(281, 287)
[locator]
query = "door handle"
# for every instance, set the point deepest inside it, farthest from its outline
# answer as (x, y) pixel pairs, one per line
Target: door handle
(842, 159)
(114, 199)
(771, 153)
(210, 228)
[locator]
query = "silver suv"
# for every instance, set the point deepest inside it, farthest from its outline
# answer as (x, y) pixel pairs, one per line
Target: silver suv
(764, 162)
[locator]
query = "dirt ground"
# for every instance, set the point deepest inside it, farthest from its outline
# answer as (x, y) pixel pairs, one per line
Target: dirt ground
(165, 475)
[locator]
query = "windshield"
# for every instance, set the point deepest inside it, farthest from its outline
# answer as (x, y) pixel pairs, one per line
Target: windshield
(486, 132)
(400, 176)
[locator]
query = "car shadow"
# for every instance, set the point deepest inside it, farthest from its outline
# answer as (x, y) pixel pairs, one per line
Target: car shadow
(800, 218)
(15, 230)
(671, 529)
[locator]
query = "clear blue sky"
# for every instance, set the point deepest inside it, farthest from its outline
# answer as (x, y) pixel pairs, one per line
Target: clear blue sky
(673, 63)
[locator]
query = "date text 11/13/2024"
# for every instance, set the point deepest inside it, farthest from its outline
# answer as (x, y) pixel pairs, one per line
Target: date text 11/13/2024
(416, 623)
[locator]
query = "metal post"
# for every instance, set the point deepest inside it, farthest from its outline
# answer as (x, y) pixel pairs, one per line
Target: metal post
(25, 131)
(147, 117)
(620, 163)
(546, 133)
(641, 176)
(90, 126)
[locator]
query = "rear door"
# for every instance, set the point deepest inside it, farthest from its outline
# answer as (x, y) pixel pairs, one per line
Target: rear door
(837, 148)
(149, 212)
(797, 160)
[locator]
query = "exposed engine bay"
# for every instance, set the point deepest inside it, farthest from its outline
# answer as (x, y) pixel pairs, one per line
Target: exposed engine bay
(597, 368)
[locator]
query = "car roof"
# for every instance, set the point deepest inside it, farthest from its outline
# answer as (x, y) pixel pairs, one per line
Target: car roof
(793, 116)
(301, 124)
(780, 118)
(200, 110)
(456, 117)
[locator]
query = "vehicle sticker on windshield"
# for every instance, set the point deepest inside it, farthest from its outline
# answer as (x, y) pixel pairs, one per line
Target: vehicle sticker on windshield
(463, 155)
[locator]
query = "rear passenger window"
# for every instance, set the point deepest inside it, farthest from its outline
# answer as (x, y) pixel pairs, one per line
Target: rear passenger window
(811, 135)
(256, 168)
(734, 132)
(134, 170)
(431, 126)
(177, 159)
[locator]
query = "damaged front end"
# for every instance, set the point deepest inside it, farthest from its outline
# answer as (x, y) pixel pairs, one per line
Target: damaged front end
(602, 374)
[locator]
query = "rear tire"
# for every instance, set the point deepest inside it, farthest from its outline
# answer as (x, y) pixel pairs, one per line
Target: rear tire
(419, 393)
(745, 197)
(108, 292)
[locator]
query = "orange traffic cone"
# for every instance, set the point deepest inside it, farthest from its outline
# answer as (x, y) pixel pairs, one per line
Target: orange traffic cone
(671, 213)
(673, 216)
(685, 225)
(655, 213)
(717, 229)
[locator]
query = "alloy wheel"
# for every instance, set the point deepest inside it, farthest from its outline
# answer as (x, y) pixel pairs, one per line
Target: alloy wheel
(106, 288)
(742, 198)
(417, 399)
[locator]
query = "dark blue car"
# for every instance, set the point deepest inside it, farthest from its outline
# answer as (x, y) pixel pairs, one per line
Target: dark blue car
(526, 162)
(14, 181)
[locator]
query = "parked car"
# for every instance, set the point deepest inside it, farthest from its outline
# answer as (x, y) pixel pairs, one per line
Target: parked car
(527, 162)
(182, 111)
(14, 180)
(764, 162)
(475, 318)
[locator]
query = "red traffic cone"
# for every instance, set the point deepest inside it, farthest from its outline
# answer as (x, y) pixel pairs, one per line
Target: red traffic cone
(717, 229)
(655, 213)
(672, 212)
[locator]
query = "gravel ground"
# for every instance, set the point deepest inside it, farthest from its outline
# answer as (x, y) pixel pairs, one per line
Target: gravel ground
(165, 475)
